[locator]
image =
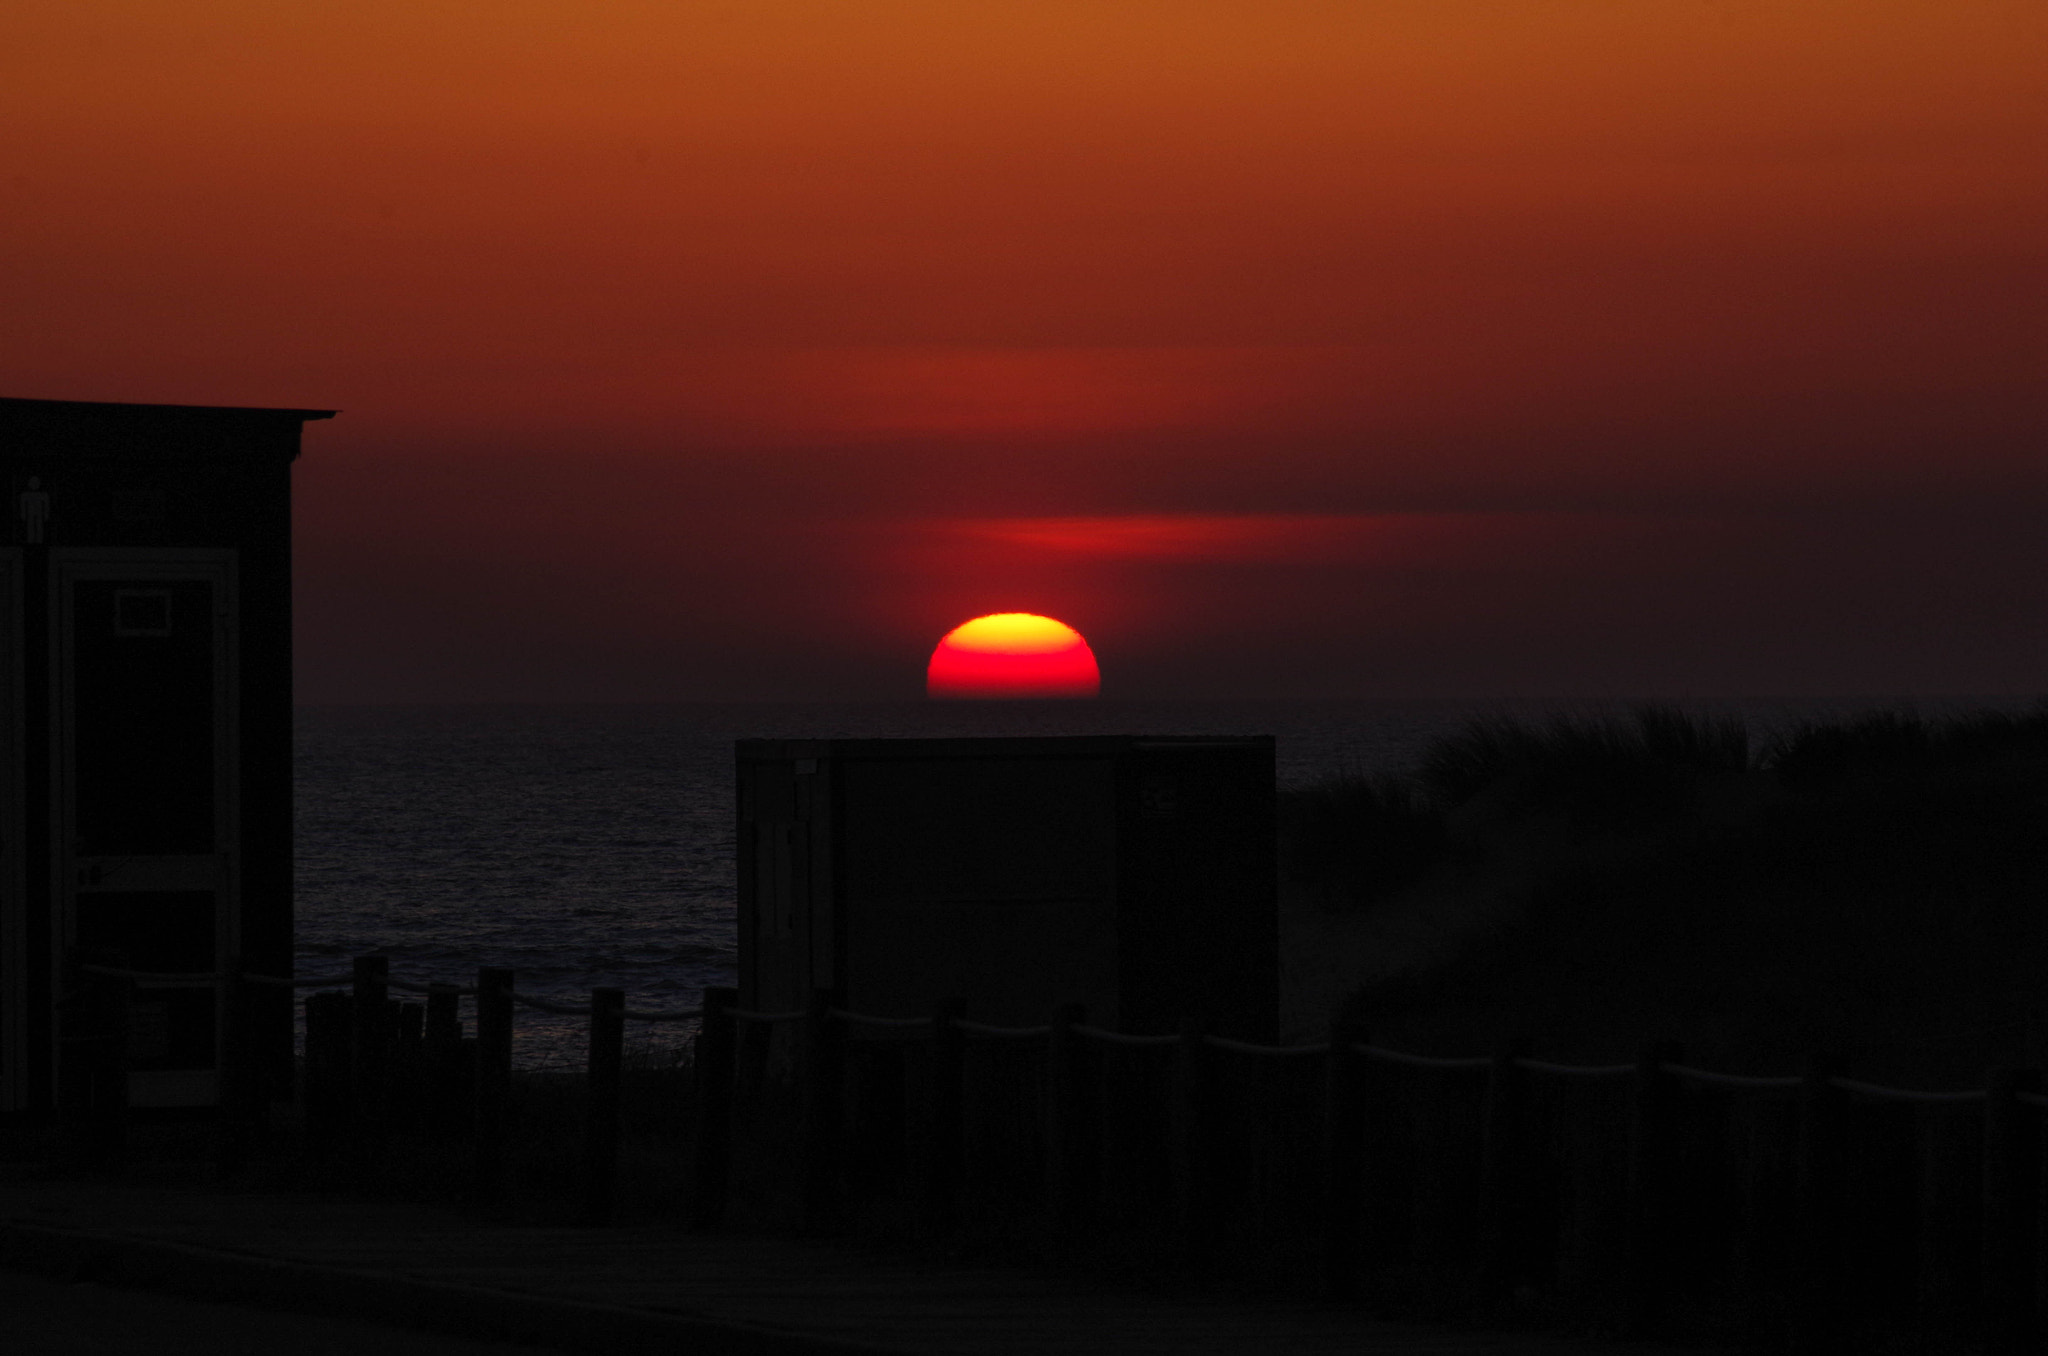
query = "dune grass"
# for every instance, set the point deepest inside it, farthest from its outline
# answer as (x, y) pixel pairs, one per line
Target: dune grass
(1873, 891)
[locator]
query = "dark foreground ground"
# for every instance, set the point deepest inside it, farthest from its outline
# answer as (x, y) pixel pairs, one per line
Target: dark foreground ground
(51, 1317)
(310, 1273)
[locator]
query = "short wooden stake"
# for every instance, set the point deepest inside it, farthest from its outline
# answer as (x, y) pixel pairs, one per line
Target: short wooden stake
(754, 1043)
(370, 996)
(408, 1063)
(1648, 1264)
(1193, 1152)
(442, 1028)
(445, 1099)
(714, 1075)
(109, 1003)
(242, 1098)
(1343, 1158)
(1503, 1168)
(1816, 1318)
(412, 1030)
(945, 1122)
(1072, 1130)
(325, 1089)
(2011, 1214)
(822, 1070)
(602, 1113)
(493, 1081)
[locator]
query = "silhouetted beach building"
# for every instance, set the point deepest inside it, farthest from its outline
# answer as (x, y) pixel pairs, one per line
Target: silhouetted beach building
(145, 740)
(1132, 875)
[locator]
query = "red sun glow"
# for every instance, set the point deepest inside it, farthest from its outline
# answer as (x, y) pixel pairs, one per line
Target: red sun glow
(1012, 654)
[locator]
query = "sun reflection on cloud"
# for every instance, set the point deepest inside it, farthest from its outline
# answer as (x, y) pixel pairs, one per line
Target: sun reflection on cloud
(1163, 536)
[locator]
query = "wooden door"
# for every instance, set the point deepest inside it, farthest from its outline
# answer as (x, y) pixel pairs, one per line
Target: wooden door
(14, 903)
(145, 790)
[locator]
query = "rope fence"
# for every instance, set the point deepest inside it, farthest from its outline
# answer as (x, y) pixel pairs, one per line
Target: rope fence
(458, 989)
(672, 1015)
(1423, 1061)
(1902, 1094)
(154, 977)
(1249, 1048)
(1726, 1080)
(1577, 1070)
(1112, 1124)
(363, 1048)
(862, 1019)
(1002, 1032)
(1097, 1033)
(771, 1018)
(554, 1007)
(1108, 1127)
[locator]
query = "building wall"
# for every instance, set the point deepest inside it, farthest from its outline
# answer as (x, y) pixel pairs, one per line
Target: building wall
(149, 631)
(1135, 876)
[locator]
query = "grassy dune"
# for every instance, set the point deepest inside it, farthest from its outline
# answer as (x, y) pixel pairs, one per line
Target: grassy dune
(1873, 892)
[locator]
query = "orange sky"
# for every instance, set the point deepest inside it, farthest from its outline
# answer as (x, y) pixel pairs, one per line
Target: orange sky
(711, 349)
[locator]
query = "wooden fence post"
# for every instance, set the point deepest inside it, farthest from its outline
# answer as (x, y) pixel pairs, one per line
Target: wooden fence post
(443, 1095)
(1072, 1132)
(754, 1042)
(945, 1122)
(601, 1117)
(1388, 1167)
(2011, 1214)
(325, 1089)
(1343, 1158)
(1816, 1317)
(822, 1071)
(242, 1094)
(1193, 1153)
(1503, 1170)
(370, 995)
(493, 1080)
(111, 1093)
(1649, 1258)
(442, 1029)
(409, 1057)
(714, 1074)
(74, 1013)
(98, 1042)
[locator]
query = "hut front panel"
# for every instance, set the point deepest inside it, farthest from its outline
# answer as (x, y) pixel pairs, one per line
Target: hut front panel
(146, 797)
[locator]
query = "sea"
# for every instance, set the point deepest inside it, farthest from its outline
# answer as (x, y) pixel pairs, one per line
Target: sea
(589, 845)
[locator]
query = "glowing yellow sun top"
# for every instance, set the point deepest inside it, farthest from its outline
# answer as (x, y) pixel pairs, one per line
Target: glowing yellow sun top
(1013, 633)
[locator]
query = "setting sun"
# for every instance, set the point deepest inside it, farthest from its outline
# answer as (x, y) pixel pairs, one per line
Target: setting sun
(1012, 654)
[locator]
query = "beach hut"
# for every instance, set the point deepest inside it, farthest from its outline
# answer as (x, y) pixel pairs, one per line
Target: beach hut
(1133, 875)
(145, 744)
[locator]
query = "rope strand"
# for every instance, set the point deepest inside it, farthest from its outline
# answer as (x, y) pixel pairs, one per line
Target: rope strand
(1707, 1076)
